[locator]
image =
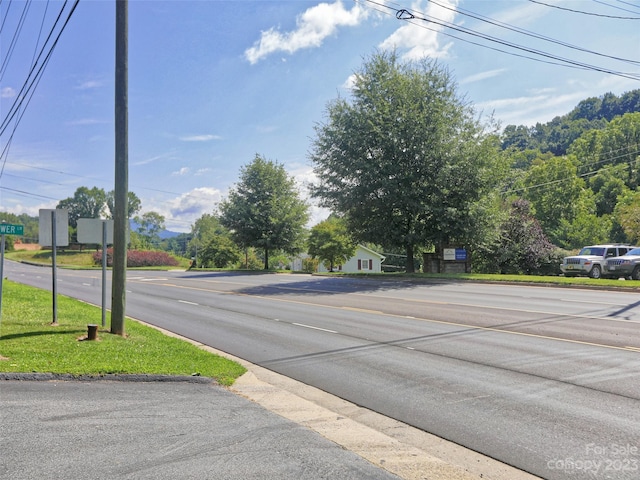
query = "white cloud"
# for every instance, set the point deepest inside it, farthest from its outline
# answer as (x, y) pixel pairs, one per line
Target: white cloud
(90, 84)
(181, 172)
(32, 211)
(180, 213)
(164, 156)
(304, 176)
(313, 26)
(519, 15)
(349, 82)
(482, 76)
(418, 38)
(7, 92)
(200, 138)
(528, 110)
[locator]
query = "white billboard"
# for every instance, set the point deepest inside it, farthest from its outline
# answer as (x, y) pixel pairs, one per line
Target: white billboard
(45, 227)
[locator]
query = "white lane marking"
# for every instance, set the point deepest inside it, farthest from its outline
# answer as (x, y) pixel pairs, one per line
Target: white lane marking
(188, 303)
(314, 328)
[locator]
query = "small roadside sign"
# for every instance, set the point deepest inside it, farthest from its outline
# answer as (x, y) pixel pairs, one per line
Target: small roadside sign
(11, 229)
(6, 229)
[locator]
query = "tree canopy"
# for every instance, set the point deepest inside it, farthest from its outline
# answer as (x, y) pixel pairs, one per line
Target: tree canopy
(265, 210)
(133, 203)
(150, 224)
(404, 160)
(330, 242)
(85, 203)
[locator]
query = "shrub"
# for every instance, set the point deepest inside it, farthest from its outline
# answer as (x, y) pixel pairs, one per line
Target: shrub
(140, 258)
(310, 265)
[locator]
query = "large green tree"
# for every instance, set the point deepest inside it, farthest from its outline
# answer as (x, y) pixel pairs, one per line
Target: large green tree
(265, 210)
(133, 203)
(150, 224)
(330, 242)
(85, 203)
(219, 252)
(556, 193)
(404, 160)
(203, 231)
(522, 246)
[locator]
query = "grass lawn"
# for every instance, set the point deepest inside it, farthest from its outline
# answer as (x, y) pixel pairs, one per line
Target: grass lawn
(30, 343)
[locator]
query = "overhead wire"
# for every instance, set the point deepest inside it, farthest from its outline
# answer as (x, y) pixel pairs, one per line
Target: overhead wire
(30, 82)
(5, 151)
(529, 33)
(582, 12)
(14, 40)
(6, 15)
(589, 173)
(27, 94)
(621, 1)
(410, 16)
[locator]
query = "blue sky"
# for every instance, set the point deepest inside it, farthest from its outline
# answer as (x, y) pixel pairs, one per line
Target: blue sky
(212, 83)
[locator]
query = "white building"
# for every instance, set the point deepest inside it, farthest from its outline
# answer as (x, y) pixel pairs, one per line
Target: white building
(364, 260)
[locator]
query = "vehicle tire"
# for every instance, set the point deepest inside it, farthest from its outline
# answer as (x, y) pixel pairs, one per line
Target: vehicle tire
(635, 275)
(596, 272)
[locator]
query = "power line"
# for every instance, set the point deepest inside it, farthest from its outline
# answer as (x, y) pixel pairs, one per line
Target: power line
(14, 40)
(584, 13)
(620, 8)
(523, 31)
(28, 84)
(409, 16)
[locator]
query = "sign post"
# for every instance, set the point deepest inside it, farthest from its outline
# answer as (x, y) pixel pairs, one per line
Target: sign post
(6, 229)
(53, 230)
(98, 231)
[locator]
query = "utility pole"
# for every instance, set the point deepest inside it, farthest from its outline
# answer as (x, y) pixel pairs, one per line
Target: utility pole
(120, 214)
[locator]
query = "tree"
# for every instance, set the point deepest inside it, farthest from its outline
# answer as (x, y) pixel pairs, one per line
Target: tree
(85, 203)
(404, 161)
(523, 246)
(133, 204)
(556, 193)
(150, 224)
(220, 252)
(264, 210)
(203, 231)
(616, 144)
(627, 215)
(331, 243)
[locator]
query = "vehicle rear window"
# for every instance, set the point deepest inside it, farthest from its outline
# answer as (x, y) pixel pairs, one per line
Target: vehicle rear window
(635, 251)
(597, 251)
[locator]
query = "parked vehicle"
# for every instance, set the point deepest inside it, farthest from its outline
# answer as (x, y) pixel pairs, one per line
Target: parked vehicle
(592, 260)
(627, 266)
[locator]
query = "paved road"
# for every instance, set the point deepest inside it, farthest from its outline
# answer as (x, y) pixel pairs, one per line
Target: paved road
(78, 430)
(543, 379)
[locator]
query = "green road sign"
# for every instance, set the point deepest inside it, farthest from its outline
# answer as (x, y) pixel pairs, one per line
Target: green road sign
(9, 229)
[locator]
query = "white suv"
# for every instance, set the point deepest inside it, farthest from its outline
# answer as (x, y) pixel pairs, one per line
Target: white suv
(592, 260)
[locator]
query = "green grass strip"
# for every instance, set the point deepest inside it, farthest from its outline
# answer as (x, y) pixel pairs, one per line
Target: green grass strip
(30, 343)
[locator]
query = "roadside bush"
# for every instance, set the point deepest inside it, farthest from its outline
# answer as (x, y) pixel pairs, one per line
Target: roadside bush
(140, 258)
(310, 265)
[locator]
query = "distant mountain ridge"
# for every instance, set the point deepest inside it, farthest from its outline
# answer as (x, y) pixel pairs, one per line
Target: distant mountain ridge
(164, 234)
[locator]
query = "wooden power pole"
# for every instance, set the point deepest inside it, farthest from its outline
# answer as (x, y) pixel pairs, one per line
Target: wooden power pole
(120, 214)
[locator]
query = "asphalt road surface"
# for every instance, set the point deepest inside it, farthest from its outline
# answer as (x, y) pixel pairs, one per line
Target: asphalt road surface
(544, 379)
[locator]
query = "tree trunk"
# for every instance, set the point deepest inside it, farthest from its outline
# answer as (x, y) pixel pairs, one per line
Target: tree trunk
(410, 267)
(266, 258)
